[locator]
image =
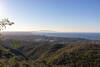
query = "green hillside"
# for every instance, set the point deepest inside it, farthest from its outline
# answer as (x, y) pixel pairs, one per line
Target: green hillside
(12, 58)
(59, 55)
(87, 55)
(80, 54)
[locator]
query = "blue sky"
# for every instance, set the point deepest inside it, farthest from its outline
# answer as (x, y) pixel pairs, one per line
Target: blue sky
(55, 15)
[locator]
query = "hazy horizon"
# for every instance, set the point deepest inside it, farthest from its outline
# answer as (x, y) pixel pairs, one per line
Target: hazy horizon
(50, 31)
(53, 15)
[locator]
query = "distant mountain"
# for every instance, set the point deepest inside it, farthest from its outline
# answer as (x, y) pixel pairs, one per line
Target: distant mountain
(47, 31)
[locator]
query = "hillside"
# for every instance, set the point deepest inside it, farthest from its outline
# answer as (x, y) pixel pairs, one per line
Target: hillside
(84, 53)
(64, 55)
(87, 55)
(12, 58)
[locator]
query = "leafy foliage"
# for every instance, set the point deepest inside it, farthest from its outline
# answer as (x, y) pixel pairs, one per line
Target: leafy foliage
(5, 22)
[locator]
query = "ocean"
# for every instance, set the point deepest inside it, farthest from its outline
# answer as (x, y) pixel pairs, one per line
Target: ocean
(91, 36)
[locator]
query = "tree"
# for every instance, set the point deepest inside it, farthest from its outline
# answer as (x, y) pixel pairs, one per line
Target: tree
(4, 23)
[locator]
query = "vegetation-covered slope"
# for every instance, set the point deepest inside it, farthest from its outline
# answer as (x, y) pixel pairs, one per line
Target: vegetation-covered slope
(46, 54)
(12, 58)
(87, 55)
(59, 55)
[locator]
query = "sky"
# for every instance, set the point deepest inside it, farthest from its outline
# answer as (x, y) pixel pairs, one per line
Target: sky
(53, 15)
